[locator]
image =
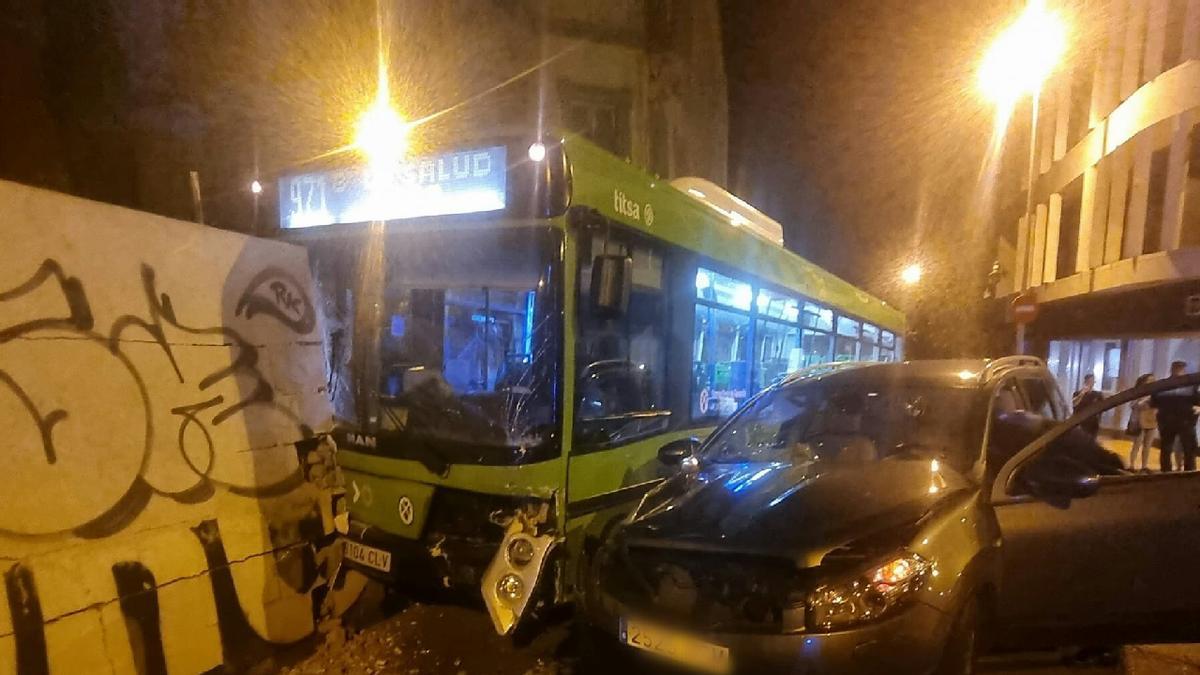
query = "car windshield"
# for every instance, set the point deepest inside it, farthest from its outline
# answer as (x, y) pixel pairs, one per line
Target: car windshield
(853, 418)
(465, 353)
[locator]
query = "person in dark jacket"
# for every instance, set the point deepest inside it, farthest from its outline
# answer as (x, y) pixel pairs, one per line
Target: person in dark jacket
(1084, 398)
(1177, 419)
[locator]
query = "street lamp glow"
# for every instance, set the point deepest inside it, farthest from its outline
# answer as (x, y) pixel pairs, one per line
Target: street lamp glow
(382, 134)
(537, 152)
(256, 187)
(911, 274)
(1024, 55)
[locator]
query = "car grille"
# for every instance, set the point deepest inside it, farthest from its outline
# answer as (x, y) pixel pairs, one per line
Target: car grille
(705, 591)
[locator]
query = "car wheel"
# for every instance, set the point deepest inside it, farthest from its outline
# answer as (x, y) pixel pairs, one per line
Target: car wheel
(962, 646)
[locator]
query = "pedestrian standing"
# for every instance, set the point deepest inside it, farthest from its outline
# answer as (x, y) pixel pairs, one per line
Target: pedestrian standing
(1143, 425)
(1084, 398)
(1177, 419)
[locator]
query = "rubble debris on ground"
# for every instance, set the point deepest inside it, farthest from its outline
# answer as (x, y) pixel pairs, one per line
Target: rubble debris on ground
(432, 640)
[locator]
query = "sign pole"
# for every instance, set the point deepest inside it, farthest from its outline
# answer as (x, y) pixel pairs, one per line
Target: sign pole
(1030, 216)
(1023, 311)
(197, 200)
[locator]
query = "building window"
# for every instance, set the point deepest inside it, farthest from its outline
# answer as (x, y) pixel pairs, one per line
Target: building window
(1068, 228)
(1156, 193)
(1190, 233)
(617, 21)
(600, 114)
(1173, 40)
(1079, 115)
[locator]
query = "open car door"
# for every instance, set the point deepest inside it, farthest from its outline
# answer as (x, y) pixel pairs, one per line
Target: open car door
(1090, 552)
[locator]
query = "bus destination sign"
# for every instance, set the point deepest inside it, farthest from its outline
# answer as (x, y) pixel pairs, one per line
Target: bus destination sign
(467, 181)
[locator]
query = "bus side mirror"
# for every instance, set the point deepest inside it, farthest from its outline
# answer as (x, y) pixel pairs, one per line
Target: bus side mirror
(673, 453)
(612, 280)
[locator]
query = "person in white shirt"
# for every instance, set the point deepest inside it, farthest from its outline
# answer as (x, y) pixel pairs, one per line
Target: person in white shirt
(1143, 426)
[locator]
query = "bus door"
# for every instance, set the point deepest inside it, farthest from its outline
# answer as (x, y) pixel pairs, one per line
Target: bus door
(623, 411)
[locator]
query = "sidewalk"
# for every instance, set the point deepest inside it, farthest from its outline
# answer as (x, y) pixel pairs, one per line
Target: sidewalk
(1163, 659)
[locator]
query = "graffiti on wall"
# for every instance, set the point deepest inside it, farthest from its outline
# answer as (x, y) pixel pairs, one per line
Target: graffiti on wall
(207, 400)
(103, 422)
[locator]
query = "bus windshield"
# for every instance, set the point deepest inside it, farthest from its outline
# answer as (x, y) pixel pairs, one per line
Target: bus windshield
(459, 362)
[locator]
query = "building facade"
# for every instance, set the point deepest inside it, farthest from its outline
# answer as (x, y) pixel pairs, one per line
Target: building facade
(260, 88)
(645, 79)
(1111, 247)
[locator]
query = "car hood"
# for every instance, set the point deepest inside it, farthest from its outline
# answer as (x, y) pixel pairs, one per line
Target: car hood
(798, 510)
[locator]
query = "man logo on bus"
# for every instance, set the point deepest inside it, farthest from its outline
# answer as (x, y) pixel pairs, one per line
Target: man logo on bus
(704, 396)
(648, 214)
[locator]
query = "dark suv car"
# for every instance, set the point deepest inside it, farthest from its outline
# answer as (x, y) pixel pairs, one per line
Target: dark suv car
(886, 518)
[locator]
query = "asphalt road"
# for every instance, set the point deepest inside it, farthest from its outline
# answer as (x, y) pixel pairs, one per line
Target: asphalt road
(437, 639)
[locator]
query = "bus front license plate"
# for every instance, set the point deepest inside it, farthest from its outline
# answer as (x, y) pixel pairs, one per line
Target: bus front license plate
(675, 646)
(366, 555)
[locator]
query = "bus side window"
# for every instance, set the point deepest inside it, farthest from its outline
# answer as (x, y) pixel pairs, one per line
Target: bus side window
(621, 361)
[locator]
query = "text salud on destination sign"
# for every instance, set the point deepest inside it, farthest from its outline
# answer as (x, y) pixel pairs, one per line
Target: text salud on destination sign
(466, 181)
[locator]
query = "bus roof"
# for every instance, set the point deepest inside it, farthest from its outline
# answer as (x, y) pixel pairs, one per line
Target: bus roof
(627, 194)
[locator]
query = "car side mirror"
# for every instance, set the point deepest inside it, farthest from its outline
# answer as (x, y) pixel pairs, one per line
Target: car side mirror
(1065, 488)
(1056, 479)
(673, 453)
(612, 281)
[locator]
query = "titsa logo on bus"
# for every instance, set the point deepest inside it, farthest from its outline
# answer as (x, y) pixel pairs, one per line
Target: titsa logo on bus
(631, 209)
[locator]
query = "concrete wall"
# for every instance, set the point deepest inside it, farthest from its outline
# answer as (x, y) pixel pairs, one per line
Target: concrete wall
(165, 502)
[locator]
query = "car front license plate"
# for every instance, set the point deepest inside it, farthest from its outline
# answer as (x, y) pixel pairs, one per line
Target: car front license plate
(369, 556)
(675, 645)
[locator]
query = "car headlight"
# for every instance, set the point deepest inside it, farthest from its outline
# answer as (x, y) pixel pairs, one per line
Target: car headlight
(868, 596)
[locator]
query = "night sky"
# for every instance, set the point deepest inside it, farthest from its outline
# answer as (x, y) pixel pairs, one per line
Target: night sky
(857, 125)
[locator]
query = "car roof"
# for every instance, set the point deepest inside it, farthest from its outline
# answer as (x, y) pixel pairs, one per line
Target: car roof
(957, 373)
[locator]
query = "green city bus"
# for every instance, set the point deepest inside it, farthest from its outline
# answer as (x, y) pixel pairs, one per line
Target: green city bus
(517, 328)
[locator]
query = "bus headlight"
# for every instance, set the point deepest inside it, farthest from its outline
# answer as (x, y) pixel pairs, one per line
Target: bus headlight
(510, 587)
(512, 579)
(520, 552)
